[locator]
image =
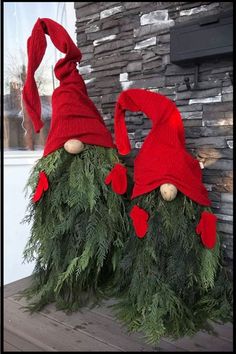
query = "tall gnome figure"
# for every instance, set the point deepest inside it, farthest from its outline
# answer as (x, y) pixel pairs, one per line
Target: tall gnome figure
(78, 223)
(170, 278)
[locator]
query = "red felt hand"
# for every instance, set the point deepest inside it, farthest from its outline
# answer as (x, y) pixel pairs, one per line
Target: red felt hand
(140, 218)
(207, 229)
(118, 179)
(41, 186)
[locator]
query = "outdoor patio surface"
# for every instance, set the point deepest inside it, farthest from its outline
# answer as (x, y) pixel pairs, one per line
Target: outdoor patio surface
(90, 330)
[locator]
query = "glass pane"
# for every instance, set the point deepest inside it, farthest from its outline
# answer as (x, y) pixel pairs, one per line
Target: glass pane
(19, 19)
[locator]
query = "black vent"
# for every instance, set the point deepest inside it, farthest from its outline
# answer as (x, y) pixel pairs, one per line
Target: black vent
(209, 36)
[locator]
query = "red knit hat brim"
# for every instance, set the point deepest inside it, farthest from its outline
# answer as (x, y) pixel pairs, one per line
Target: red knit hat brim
(167, 165)
(198, 196)
(95, 134)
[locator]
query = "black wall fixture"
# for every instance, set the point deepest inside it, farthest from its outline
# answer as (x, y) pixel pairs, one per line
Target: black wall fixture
(197, 40)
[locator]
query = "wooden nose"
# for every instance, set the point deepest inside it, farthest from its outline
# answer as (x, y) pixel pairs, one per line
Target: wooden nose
(168, 191)
(74, 146)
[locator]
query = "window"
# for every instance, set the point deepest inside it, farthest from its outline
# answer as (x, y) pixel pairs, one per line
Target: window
(19, 19)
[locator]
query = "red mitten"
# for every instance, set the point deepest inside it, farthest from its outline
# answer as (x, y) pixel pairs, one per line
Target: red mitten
(207, 228)
(41, 186)
(140, 218)
(118, 179)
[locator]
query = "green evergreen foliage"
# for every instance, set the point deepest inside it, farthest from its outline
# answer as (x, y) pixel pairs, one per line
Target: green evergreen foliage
(78, 228)
(168, 283)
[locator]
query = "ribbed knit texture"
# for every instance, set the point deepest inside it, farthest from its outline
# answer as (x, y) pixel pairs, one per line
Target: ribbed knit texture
(74, 115)
(163, 157)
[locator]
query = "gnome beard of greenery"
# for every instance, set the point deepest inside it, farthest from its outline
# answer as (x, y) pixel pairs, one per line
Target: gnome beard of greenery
(78, 223)
(78, 227)
(170, 280)
(168, 283)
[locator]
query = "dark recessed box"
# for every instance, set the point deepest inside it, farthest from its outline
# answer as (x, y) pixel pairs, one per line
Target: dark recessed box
(209, 36)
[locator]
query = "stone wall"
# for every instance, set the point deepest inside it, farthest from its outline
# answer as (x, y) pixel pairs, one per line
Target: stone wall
(127, 45)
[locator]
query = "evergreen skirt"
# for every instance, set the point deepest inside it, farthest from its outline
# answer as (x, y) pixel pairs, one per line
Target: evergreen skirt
(168, 283)
(78, 228)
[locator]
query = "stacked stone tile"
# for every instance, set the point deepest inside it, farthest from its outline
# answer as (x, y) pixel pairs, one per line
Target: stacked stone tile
(127, 45)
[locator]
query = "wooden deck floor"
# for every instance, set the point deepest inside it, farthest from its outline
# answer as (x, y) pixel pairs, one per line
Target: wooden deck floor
(90, 330)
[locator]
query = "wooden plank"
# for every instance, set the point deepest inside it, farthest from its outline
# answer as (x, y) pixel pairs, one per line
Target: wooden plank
(27, 340)
(204, 342)
(15, 287)
(105, 327)
(7, 347)
(212, 343)
(224, 331)
(107, 312)
(57, 336)
(99, 323)
(20, 342)
(104, 309)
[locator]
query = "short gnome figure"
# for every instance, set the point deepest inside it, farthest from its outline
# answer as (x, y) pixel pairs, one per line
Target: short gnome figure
(78, 224)
(170, 277)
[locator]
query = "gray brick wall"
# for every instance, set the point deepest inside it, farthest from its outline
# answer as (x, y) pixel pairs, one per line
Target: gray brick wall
(127, 45)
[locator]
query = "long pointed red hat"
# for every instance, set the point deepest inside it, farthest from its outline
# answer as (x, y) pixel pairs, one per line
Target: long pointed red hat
(74, 115)
(163, 157)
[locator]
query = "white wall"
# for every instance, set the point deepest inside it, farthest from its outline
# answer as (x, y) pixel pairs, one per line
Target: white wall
(17, 166)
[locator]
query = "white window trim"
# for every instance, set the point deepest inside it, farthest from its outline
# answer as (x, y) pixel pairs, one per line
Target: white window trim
(22, 158)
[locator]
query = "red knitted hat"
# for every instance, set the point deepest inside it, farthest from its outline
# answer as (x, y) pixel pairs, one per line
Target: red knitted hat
(74, 115)
(163, 157)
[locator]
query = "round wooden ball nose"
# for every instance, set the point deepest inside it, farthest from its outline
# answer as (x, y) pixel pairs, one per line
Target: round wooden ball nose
(73, 146)
(168, 191)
